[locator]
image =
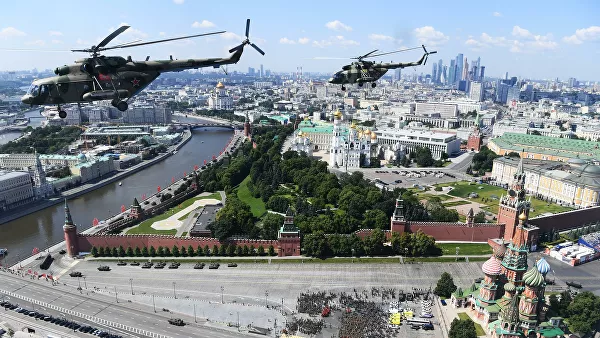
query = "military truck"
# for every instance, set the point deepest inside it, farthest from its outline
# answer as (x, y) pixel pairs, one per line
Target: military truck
(232, 265)
(176, 321)
(104, 268)
(199, 266)
(75, 274)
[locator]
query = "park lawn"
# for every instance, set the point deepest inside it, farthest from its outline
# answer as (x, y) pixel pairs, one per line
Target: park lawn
(465, 248)
(184, 234)
(541, 207)
(257, 206)
(145, 228)
(426, 196)
(478, 328)
(455, 203)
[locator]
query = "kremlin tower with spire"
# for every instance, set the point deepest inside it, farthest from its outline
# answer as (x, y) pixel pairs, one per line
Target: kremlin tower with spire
(70, 230)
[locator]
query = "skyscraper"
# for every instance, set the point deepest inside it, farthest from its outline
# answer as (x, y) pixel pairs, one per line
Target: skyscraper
(444, 78)
(397, 74)
(434, 73)
(452, 72)
(439, 74)
(261, 71)
(459, 67)
(465, 72)
(476, 92)
(482, 73)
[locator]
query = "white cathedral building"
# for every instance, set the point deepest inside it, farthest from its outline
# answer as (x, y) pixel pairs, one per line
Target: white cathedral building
(302, 143)
(349, 143)
(219, 100)
(42, 189)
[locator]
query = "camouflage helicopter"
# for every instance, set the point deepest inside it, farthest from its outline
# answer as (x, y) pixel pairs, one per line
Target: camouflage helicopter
(116, 78)
(362, 71)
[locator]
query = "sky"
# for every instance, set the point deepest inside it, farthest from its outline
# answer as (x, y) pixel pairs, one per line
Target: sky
(528, 39)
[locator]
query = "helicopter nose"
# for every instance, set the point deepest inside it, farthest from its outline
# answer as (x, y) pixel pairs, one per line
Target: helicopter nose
(26, 99)
(330, 80)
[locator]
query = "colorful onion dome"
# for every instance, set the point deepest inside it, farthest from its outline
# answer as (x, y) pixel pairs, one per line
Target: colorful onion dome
(510, 287)
(373, 136)
(543, 266)
(220, 85)
(533, 277)
(492, 267)
(367, 132)
(337, 114)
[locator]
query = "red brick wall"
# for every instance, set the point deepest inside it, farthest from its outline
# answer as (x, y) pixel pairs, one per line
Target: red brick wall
(474, 142)
(508, 216)
(86, 242)
(458, 231)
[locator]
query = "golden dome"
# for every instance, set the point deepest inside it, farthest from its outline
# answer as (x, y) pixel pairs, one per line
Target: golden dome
(360, 134)
(337, 114)
(307, 118)
(300, 133)
(523, 216)
(368, 131)
(353, 126)
(220, 85)
(373, 136)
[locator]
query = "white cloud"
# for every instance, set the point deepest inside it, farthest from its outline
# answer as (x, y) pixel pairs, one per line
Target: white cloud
(338, 40)
(162, 34)
(528, 41)
(56, 42)
(380, 37)
(521, 32)
(203, 24)
(231, 36)
(427, 35)
(338, 26)
(10, 32)
(36, 43)
(287, 41)
(591, 33)
(497, 14)
(178, 2)
(55, 33)
(303, 41)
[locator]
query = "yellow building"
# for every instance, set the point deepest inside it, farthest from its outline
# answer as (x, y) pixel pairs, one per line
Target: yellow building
(544, 148)
(575, 183)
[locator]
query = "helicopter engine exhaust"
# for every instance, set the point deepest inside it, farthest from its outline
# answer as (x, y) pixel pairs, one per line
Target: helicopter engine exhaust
(64, 70)
(105, 95)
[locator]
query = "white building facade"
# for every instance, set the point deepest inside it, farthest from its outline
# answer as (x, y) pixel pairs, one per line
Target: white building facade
(438, 143)
(219, 100)
(16, 189)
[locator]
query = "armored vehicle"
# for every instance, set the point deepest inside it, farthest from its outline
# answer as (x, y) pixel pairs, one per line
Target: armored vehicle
(214, 265)
(104, 268)
(199, 266)
(176, 321)
(75, 274)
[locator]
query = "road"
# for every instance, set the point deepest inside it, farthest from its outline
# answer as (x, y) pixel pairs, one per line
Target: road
(106, 308)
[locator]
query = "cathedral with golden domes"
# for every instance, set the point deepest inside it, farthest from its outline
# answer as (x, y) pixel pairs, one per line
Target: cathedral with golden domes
(219, 99)
(351, 146)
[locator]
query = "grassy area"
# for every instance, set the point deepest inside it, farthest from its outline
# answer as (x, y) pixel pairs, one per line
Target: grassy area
(215, 196)
(489, 196)
(145, 228)
(184, 234)
(426, 196)
(256, 204)
(455, 203)
(478, 328)
(265, 259)
(465, 248)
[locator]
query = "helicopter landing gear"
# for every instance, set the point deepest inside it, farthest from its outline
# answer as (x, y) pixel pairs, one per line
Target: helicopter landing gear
(343, 88)
(120, 105)
(360, 84)
(373, 85)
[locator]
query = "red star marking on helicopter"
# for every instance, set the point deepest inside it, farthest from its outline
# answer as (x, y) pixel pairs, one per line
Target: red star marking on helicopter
(136, 82)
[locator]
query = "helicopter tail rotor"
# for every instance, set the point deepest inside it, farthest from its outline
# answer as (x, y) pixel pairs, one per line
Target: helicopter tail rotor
(247, 41)
(427, 54)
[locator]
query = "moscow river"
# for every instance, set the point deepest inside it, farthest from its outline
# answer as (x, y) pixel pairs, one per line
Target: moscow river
(44, 228)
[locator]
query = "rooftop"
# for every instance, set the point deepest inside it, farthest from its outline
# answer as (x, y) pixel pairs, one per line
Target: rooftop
(4, 175)
(548, 145)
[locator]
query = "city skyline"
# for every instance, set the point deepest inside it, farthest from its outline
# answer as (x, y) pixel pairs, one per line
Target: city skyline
(516, 41)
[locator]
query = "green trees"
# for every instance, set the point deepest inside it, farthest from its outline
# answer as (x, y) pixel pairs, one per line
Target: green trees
(144, 251)
(94, 251)
(234, 218)
(413, 244)
(483, 161)
(584, 312)
(271, 250)
(46, 140)
(423, 157)
(375, 219)
(462, 329)
(445, 286)
(129, 252)
(270, 225)
(261, 250)
(138, 252)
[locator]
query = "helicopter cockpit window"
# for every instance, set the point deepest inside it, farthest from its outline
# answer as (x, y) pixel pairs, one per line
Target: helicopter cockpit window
(338, 75)
(33, 90)
(43, 90)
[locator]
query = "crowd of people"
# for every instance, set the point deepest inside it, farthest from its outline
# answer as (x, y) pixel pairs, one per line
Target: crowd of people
(306, 326)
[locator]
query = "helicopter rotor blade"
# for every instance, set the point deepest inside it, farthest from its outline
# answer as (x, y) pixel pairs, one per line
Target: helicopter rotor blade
(248, 28)
(257, 49)
(364, 56)
(160, 41)
(327, 58)
(34, 50)
(111, 37)
(128, 43)
(394, 52)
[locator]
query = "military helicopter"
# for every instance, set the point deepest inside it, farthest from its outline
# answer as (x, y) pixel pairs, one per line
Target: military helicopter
(362, 71)
(115, 78)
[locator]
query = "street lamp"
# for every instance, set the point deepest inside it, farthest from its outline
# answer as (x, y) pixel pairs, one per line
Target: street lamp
(174, 294)
(266, 295)
(131, 283)
(222, 288)
(153, 304)
(5, 299)
(84, 282)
